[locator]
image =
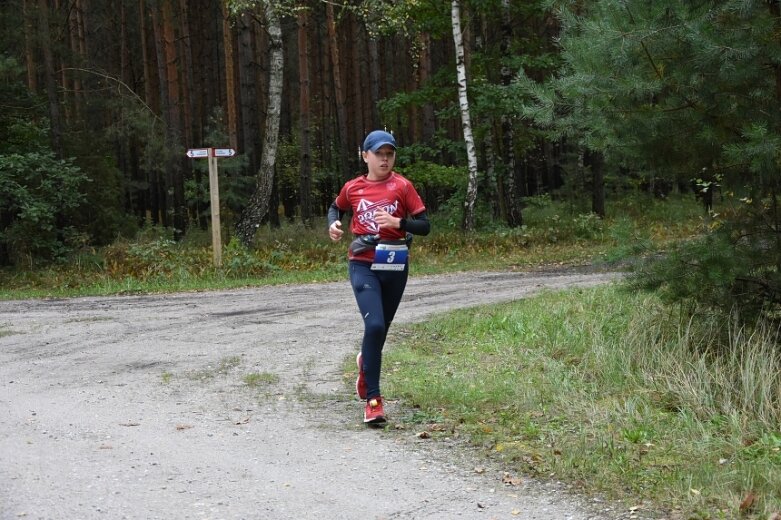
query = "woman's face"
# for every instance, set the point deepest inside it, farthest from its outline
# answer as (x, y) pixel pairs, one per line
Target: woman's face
(381, 162)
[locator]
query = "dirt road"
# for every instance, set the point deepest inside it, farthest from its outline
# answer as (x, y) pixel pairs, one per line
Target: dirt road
(138, 407)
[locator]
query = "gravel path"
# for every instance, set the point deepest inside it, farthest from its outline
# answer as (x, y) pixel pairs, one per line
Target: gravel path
(137, 407)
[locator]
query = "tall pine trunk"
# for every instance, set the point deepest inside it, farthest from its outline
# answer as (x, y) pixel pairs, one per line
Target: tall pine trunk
(424, 75)
(247, 91)
(305, 172)
(29, 45)
(174, 122)
(159, 188)
(336, 70)
(230, 77)
(514, 217)
(55, 117)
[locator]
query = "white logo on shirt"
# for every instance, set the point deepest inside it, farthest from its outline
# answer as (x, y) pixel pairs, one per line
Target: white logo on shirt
(366, 209)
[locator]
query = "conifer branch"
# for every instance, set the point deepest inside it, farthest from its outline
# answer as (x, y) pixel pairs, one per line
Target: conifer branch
(119, 82)
(645, 48)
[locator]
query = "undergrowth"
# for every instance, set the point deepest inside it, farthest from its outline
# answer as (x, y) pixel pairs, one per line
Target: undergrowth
(553, 234)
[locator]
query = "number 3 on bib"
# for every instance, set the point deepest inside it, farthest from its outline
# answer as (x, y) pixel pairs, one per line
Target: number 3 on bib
(390, 257)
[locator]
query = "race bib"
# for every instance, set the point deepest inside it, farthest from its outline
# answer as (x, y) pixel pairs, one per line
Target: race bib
(390, 257)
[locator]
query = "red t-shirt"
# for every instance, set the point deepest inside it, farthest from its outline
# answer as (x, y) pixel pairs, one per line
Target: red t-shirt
(396, 195)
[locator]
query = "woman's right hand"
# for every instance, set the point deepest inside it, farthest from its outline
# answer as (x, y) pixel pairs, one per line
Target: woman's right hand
(335, 231)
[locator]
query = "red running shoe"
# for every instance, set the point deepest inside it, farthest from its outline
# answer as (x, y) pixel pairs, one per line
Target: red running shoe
(374, 414)
(360, 383)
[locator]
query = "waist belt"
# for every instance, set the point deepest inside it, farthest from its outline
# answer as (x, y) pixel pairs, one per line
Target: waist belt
(363, 243)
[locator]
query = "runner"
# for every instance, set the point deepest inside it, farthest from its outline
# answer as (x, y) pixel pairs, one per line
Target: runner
(386, 212)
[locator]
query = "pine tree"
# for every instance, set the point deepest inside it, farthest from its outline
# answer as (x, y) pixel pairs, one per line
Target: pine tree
(688, 91)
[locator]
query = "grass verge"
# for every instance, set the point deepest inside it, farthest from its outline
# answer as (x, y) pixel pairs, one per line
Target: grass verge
(605, 390)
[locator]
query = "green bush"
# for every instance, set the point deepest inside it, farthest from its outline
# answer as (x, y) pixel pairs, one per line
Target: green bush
(36, 193)
(239, 261)
(733, 269)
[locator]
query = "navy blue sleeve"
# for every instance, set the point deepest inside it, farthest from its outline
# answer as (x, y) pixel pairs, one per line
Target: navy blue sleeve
(334, 214)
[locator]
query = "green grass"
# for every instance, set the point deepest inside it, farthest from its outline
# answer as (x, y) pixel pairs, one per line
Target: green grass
(553, 234)
(260, 379)
(224, 366)
(603, 389)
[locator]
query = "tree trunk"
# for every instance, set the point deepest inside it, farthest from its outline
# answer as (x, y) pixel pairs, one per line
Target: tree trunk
(498, 209)
(259, 202)
(775, 12)
(29, 45)
(305, 175)
(341, 113)
(230, 77)
(463, 101)
(358, 101)
(191, 134)
(149, 77)
(514, 216)
(424, 74)
(247, 91)
(596, 162)
(51, 79)
(374, 83)
(159, 187)
(175, 184)
(79, 48)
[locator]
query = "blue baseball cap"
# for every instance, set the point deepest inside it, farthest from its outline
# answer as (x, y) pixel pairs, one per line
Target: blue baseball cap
(377, 139)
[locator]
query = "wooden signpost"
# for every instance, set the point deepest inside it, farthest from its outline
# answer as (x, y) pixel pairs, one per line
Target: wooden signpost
(214, 192)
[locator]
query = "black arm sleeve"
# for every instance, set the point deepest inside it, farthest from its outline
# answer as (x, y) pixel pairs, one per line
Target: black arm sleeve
(417, 224)
(334, 214)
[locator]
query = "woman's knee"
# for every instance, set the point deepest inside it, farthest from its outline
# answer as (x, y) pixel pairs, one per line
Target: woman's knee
(374, 329)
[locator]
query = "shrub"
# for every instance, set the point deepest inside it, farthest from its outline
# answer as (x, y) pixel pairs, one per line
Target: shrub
(36, 193)
(734, 268)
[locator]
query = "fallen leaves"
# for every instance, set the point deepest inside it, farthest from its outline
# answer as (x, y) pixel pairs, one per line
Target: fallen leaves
(509, 480)
(434, 427)
(748, 502)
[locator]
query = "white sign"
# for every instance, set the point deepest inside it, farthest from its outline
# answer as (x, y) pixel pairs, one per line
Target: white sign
(198, 152)
(224, 152)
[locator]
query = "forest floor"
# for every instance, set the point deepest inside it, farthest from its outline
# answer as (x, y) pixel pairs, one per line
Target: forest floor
(236, 404)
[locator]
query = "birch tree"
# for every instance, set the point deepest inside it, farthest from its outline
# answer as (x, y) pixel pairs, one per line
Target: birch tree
(259, 202)
(463, 102)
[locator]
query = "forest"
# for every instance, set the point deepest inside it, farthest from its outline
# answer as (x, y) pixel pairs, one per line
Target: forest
(493, 103)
